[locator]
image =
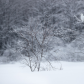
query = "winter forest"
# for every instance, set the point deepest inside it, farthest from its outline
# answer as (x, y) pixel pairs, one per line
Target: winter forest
(41, 41)
(41, 30)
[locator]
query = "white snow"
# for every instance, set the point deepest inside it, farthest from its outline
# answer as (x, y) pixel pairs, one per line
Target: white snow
(82, 17)
(17, 73)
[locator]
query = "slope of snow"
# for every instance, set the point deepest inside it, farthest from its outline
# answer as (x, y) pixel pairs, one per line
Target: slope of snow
(72, 73)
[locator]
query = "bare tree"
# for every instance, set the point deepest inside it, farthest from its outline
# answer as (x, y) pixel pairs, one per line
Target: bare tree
(37, 39)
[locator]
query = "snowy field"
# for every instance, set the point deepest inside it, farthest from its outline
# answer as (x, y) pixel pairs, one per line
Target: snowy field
(17, 73)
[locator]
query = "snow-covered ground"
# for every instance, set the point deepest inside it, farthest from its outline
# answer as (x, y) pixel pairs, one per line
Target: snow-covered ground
(17, 73)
